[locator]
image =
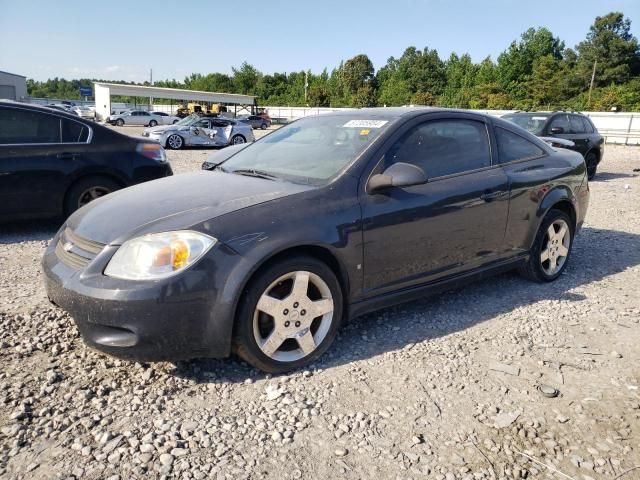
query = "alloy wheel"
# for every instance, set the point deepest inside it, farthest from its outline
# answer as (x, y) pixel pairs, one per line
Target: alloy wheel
(293, 316)
(237, 140)
(555, 248)
(175, 141)
(91, 194)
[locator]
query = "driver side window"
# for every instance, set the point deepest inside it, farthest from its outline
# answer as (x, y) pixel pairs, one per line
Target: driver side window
(443, 147)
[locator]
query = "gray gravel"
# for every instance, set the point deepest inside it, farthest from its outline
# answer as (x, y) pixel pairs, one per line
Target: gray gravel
(445, 388)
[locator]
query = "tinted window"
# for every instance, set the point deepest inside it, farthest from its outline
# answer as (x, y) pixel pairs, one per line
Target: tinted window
(561, 121)
(74, 132)
(220, 123)
(514, 147)
(444, 147)
(587, 125)
(202, 124)
(24, 126)
(577, 125)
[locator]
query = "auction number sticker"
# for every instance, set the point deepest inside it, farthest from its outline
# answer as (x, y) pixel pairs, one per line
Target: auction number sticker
(365, 123)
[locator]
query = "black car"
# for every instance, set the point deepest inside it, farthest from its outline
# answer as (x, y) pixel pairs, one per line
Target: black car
(573, 126)
(255, 121)
(328, 217)
(52, 163)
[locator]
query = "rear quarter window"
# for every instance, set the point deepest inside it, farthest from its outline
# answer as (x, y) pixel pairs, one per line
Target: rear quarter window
(513, 147)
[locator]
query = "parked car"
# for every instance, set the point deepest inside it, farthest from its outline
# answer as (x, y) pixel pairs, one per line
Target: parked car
(330, 216)
(52, 163)
(572, 126)
(84, 112)
(134, 117)
(255, 121)
(61, 108)
(166, 119)
(201, 131)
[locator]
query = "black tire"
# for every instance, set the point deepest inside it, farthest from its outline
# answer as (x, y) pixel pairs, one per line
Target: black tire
(245, 344)
(174, 142)
(120, 122)
(237, 140)
(592, 165)
(534, 268)
(152, 123)
(78, 195)
(263, 126)
(174, 122)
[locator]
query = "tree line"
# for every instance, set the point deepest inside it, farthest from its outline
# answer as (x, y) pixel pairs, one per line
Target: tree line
(536, 71)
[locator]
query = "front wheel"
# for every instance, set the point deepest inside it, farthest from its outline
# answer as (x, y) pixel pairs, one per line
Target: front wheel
(175, 142)
(237, 140)
(153, 123)
(263, 126)
(551, 249)
(119, 122)
(289, 315)
(592, 165)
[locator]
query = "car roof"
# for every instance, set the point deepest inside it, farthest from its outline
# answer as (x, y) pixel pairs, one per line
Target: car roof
(392, 113)
(39, 108)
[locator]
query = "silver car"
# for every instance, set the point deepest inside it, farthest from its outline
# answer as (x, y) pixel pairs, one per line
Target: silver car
(201, 131)
(135, 117)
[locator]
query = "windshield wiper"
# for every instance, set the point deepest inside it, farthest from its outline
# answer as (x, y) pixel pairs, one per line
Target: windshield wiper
(251, 172)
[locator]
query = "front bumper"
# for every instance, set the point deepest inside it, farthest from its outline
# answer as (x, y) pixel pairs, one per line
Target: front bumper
(172, 319)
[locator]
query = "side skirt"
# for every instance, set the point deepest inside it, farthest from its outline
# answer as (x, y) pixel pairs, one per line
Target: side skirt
(451, 283)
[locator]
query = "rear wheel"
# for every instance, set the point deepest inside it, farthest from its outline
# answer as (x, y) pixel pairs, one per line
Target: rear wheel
(592, 165)
(120, 122)
(175, 142)
(86, 190)
(237, 140)
(550, 251)
(289, 315)
(263, 126)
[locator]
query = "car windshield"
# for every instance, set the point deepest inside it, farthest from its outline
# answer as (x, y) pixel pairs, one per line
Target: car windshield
(311, 150)
(533, 122)
(191, 119)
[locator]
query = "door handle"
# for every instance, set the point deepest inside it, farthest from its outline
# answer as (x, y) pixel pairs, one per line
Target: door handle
(488, 195)
(67, 156)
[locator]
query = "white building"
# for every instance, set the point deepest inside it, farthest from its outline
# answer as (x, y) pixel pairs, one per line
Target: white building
(12, 86)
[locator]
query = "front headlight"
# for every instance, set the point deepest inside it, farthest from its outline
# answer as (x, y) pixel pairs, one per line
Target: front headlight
(158, 255)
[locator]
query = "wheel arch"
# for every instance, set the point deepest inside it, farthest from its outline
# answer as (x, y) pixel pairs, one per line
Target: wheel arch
(318, 252)
(86, 175)
(560, 198)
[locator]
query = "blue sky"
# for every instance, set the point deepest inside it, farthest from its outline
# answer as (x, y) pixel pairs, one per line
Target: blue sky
(122, 40)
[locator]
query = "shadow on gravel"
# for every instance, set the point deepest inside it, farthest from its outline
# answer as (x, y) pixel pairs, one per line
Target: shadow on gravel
(597, 254)
(606, 176)
(28, 231)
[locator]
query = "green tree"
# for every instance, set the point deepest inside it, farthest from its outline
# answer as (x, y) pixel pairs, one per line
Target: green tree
(611, 44)
(245, 79)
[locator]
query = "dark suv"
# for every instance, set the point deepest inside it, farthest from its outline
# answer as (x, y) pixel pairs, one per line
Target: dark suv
(568, 125)
(52, 162)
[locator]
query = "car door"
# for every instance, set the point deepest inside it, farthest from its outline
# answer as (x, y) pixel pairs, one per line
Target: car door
(201, 133)
(37, 152)
(223, 131)
(452, 223)
(560, 126)
(579, 134)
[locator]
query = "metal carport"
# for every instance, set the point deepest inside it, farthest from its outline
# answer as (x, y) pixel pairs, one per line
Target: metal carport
(104, 91)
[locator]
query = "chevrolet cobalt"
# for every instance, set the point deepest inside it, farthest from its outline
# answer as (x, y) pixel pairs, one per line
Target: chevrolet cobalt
(269, 249)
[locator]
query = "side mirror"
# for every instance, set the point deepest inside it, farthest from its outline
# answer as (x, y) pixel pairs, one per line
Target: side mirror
(557, 130)
(397, 175)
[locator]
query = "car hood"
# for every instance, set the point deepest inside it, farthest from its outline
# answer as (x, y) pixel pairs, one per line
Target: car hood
(173, 203)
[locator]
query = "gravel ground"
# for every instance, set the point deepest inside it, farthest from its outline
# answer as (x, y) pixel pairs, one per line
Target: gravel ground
(445, 388)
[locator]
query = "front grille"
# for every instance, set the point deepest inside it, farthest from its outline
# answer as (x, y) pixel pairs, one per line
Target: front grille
(75, 251)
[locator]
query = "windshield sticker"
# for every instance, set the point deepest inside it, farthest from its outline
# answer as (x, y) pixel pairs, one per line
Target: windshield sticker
(365, 123)
(364, 132)
(539, 118)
